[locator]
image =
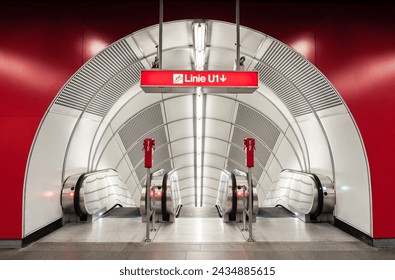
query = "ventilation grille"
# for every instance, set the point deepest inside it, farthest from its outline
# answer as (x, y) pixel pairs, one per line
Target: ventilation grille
(140, 124)
(259, 124)
(297, 74)
(141, 171)
(104, 78)
(160, 156)
(237, 155)
(284, 89)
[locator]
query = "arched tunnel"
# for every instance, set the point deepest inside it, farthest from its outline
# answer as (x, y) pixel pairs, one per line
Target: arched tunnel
(100, 117)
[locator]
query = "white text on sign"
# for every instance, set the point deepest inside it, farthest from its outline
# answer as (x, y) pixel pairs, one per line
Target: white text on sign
(211, 78)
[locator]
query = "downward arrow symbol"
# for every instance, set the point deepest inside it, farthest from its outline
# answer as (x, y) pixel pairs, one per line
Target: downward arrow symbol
(223, 78)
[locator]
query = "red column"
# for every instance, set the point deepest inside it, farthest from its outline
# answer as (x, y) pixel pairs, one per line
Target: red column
(249, 147)
(149, 146)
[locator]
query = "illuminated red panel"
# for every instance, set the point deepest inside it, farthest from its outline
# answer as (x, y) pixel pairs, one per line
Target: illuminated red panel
(160, 81)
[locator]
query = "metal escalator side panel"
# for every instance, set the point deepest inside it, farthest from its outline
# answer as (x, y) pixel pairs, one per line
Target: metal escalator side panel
(329, 198)
(255, 204)
(173, 196)
(79, 200)
(235, 202)
(176, 195)
(165, 198)
(143, 201)
(225, 196)
(68, 193)
(320, 198)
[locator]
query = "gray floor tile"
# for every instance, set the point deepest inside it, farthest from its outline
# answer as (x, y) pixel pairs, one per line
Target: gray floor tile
(199, 238)
(374, 255)
(156, 256)
(222, 247)
(37, 255)
(8, 254)
(177, 247)
(327, 255)
(271, 255)
(214, 256)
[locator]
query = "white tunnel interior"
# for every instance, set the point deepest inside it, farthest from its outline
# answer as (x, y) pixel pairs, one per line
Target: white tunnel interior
(101, 116)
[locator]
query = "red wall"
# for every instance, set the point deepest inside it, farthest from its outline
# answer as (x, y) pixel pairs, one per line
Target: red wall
(356, 51)
(43, 43)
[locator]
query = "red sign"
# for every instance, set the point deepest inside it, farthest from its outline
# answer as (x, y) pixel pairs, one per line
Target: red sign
(168, 81)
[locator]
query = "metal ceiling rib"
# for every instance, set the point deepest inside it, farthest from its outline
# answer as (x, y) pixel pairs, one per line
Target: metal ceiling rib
(297, 77)
(102, 80)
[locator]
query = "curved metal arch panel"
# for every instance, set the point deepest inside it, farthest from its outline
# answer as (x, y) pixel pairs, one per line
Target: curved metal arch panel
(295, 81)
(81, 91)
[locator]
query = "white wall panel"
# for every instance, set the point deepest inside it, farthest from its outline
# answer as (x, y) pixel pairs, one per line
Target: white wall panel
(320, 161)
(250, 41)
(273, 168)
(186, 183)
(136, 196)
(297, 146)
(211, 172)
(95, 142)
(78, 153)
(182, 147)
(299, 135)
(222, 34)
(217, 129)
(188, 201)
(183, 61)
(187, 190)
(181, 161)
(179, 108)
(215, 146)
(286, 155)
(124, 170)
(214, 160)
(43, 182)
(107, 141)
(353, 203)
(208, 191)
(220, 108)
(185, 172)
(266, 183)
(261, 196)
(221, 59)
(111, 156)
(208, 182)
(180, 129)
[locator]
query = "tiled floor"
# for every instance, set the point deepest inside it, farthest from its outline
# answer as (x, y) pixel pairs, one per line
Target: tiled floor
(198, 238)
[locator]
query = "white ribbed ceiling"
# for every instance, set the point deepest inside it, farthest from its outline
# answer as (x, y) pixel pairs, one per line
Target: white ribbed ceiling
(107, 88)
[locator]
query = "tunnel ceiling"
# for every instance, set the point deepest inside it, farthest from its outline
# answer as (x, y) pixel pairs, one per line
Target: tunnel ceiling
(106, 89)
